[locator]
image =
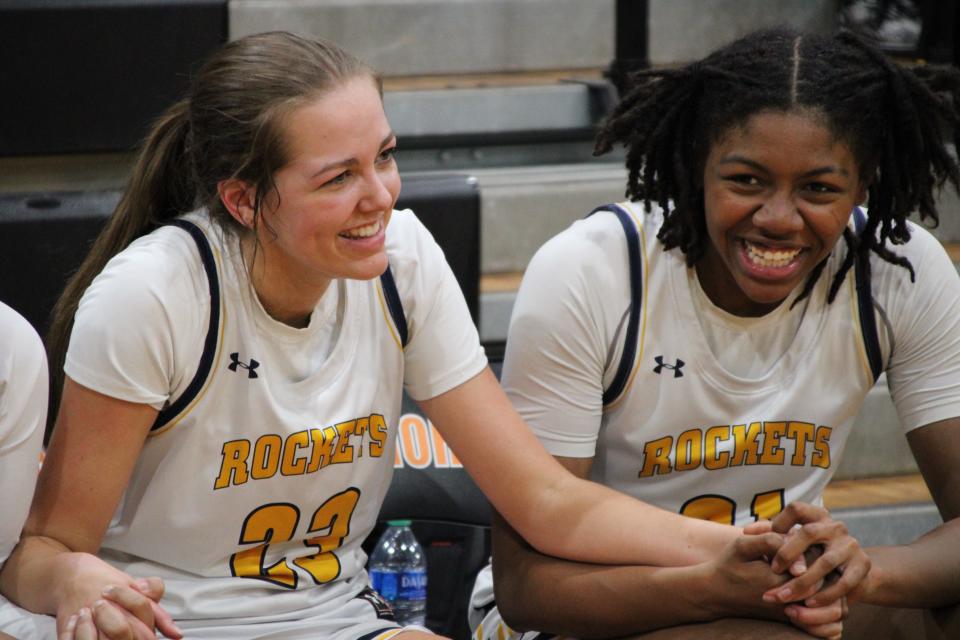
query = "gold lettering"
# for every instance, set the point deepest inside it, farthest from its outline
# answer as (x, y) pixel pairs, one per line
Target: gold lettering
(801, 433)
(710, 507)
(234, 463)
(344, 452)
(266, 456)
(746, 444)
(772, 451)
(292, 465)
(378, 435)
(821, 448)
(689, 450)
(363, 425)
(766, 506)
(656, 457)
(322, 440)
(711, 459)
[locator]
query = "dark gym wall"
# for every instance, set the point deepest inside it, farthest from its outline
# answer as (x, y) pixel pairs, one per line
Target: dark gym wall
(44, 236)
(90, 75)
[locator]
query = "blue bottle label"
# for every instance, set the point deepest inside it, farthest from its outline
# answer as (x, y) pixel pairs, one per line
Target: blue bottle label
(413, 585)
(385, 583)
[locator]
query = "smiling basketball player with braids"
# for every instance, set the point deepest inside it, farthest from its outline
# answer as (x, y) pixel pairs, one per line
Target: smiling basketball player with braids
(706, 345)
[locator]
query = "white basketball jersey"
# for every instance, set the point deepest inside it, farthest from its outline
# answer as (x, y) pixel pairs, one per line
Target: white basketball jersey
(260, 474)
(701, 441)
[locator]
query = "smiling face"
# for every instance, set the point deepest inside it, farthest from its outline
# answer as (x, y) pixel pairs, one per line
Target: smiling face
(778, 193)
(333, 199)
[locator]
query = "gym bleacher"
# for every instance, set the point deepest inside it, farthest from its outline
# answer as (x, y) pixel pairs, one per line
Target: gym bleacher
(494, 103)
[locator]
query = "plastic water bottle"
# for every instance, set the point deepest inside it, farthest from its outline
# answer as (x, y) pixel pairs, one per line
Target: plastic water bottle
(398, 570)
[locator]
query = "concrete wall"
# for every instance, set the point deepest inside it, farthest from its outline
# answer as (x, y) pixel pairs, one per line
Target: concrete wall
(685, 30)
(418, 37)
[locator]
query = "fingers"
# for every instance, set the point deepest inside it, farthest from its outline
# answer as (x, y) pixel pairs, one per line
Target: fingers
(853, 574)
(823, 622)
(151, 587)
(844, 562)
(813, 616)
(84, 629)
(806, 536)
(758, 527)
(127, 614)
(69, 629)
(799, 566)
(125, 609)
(164, 622)
(113, 623)
(798, 513)
(138, 604)
(757, 547)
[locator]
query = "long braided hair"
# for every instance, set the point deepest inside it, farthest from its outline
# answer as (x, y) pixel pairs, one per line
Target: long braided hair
(892, 118)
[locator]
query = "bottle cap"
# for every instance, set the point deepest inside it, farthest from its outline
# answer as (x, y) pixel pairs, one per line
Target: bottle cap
(399, 523)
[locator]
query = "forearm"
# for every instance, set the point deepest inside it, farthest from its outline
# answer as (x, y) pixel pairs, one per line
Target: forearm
(601, 601)
(558, 513)
(538, 592)
(922, 574)
(623, 530)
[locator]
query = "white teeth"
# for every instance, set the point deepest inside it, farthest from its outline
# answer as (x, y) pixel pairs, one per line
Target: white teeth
(771, 258)
(362, 232)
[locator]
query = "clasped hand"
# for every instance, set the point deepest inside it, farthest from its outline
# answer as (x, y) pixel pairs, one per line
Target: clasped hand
(822, 564)
(100, 602)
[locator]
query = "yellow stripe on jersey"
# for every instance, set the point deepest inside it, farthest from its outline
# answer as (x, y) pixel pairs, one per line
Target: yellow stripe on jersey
(387, 634)
(643, 313)
(387, 317)
(216, 357)
(858, 329)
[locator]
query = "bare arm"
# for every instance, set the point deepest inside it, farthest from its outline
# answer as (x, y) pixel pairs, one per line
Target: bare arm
(926, 572)
(540, 592)
(558, 513)
(53, 570)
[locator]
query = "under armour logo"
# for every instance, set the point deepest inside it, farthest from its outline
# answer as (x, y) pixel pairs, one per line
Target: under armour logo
(250, 367)
(676, 368)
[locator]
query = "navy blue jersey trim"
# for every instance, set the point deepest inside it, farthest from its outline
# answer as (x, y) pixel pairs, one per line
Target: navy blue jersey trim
(213, 328)
(868, 321)
(374, 634)
(394, 305)
(619, 382)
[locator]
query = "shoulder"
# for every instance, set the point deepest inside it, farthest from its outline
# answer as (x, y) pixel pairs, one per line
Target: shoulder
(153, 289)
(926, 255)
(23, 360)
(921, 243)
(21, 343)
(23, 371)
(579, 280)
(162, 267)
(415, 259)
(139, 322)
(593, 252)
